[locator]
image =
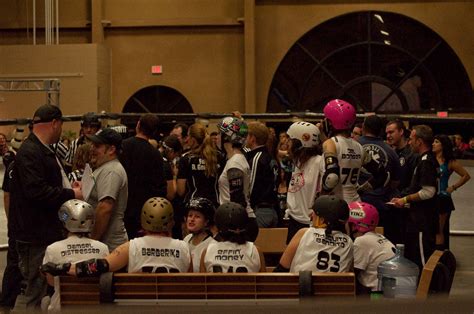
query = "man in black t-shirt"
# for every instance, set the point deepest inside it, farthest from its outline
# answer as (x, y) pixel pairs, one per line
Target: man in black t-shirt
(144, 167)
(11, 276)
(397, 137)
(421, 217)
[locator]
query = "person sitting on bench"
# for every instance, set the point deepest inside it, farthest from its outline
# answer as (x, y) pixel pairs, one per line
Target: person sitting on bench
(156, 252)
(233, 254)
(78, 220)
(324, 247)
(199, 220)
(370, 248)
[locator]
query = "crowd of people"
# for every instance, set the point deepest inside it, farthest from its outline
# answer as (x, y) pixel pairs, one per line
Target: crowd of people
(195, 201)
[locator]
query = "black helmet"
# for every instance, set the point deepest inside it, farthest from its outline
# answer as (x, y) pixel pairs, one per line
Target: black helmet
(90, 119)
(204, 206)
(231, 217)
(334, 210)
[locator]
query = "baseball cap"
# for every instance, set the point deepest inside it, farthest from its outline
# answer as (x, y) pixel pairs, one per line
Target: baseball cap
(106, 136)
(48, 113)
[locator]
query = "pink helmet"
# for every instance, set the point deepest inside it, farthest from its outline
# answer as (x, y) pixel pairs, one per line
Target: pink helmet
(340, 113)
(364, 216)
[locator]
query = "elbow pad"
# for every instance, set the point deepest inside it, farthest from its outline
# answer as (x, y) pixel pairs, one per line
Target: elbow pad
(331, 174)
(55, 269)
(281, 269)
(426, 192)
(92, 268)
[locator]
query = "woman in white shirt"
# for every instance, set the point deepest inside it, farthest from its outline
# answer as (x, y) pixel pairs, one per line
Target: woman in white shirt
(233, 254)
(324, 247)
(234, 182)
(199, 220)
(305, 184)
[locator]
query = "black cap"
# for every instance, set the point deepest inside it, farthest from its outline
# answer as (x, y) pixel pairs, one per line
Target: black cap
(48, 113)
(106, 136)
(331, 208)
(91, 119)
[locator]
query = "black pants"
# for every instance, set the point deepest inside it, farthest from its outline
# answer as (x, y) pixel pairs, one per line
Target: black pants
(419, 246)
(11, 284)
(293, 227)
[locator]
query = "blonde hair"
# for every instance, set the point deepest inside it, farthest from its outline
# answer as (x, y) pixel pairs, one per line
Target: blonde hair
(205, 148)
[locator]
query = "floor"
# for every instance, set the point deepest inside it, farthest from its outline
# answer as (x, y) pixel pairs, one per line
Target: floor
(461, 298)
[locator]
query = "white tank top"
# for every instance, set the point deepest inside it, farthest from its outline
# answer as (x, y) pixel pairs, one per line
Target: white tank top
(319, 253)
(237, 161)
(74, 249)
(196, 250)
(158, 254)
(304, 185)
(369, 251)
(350, 155)
(229, 257)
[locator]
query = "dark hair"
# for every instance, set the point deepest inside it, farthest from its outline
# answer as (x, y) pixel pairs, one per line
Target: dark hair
(374, 125)
(447, 144)
(400, 126)
(239, 238)
(149, 124)
(184, 129)
(302, 154)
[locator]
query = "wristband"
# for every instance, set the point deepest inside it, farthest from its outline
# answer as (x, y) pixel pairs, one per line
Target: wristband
(405, 200)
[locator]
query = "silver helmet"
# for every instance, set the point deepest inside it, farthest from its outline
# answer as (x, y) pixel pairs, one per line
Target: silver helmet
(77, 216)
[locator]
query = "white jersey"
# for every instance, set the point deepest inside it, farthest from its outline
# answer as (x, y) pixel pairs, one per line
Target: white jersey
(369, 251)
(237, 161)
(196, 250)
(230, 257)
(73, 249)
(304, 185)
(351, 157)
(317, 252)
(153, 254)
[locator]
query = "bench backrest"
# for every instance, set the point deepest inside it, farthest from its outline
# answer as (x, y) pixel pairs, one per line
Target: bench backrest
(271, 240)
(122, 286)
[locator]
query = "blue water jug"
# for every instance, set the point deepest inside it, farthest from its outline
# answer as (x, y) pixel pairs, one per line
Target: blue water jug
(398, 276)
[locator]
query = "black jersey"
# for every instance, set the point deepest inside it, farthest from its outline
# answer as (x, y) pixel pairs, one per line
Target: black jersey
(407, 159)
(263, 178)
(422, 214)
(192, 167)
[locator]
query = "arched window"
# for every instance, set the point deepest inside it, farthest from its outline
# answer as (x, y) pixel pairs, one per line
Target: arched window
(380, 61)
(158, 98)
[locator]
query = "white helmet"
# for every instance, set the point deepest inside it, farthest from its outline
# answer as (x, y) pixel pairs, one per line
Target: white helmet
(77, 216)
(307, 133)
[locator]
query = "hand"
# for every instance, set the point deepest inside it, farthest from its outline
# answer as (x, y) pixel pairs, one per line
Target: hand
(55, 269)
(450, 189)
(78, 193)
(237, 114)
(398, 202)
(77, 184)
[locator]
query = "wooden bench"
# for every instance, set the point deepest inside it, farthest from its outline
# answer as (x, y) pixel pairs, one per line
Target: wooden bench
(272, 243)
(437, 275)
(122, 287)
